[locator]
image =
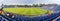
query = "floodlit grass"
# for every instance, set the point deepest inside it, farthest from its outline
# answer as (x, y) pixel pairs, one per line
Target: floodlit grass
(26, 11)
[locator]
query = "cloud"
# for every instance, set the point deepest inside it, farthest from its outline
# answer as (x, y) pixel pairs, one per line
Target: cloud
(30, 1)
(1, 1)
(48, 1)
(18, 1)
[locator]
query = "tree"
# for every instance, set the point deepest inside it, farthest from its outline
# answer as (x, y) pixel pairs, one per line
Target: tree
(35, 5)
(42, 5)
(26, 5)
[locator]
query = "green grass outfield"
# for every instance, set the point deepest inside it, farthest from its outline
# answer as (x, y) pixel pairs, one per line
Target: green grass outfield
(26, 11)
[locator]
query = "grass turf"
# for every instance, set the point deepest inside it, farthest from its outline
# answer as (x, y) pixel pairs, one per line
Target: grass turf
(26, 11)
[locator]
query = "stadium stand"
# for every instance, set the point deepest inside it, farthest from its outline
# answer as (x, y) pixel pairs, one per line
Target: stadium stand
(23, 18)
(39, 18)
(2, 18)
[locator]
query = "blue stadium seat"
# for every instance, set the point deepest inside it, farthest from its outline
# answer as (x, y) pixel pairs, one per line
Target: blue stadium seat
(38, 18)
(0, 18)
(58, 19)
(51, 17)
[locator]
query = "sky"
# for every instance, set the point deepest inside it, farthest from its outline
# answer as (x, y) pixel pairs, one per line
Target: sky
(15, 2)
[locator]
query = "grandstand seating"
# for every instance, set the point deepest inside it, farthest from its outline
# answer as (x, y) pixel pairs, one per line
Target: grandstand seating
(50, 18)
(38, 18)
(58, 19)
(2, 19)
